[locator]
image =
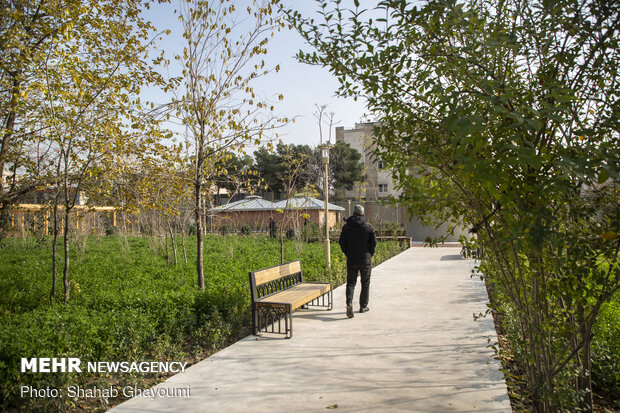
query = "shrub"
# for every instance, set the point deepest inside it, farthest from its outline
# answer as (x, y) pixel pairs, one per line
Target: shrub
(310, 231)
(111, 230)
(290, 233)
(606, 351)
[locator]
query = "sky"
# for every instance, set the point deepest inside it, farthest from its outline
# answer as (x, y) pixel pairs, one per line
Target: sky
(303, 86)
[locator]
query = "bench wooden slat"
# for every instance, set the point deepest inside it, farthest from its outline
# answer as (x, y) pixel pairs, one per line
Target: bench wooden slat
(299, 294)
(269, 274)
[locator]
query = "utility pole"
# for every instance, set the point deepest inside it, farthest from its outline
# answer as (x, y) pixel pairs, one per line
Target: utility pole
(325, 155)
(319, 113)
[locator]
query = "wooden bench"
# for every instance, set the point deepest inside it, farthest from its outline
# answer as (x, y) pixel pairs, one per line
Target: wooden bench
(280, 290)
(401, 239)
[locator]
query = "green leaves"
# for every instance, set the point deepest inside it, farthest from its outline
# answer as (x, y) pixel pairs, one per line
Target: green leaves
(507, 113)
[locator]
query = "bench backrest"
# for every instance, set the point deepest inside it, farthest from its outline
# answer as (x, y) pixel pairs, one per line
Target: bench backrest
(270, 280)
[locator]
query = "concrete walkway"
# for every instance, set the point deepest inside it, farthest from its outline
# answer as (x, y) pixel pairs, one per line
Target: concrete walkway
(417, 350)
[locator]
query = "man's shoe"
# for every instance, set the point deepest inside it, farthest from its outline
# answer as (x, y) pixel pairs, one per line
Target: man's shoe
(364, 309)
(350, 311)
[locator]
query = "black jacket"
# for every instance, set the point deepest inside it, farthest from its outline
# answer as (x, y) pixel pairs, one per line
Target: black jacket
(358, 241)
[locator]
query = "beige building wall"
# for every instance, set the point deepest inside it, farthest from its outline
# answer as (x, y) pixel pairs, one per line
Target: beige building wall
(379, 185)
(420, 232)
(378, 182)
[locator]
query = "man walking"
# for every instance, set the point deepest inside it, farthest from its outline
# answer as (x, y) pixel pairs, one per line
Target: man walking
(358, 243)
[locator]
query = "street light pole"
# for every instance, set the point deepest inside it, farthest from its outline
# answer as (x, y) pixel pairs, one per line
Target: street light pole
(325, 154)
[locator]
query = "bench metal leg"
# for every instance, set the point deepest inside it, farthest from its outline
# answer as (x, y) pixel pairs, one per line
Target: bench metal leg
(289, 325)
(320, 301)
(265, 316)
(268, 318)
(331, 301)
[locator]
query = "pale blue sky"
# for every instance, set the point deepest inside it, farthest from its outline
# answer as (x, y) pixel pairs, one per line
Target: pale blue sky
(302, 85)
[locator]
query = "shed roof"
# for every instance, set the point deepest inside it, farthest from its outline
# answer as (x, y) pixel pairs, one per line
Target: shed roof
(306, 203)
(256, 203)
(251, 203)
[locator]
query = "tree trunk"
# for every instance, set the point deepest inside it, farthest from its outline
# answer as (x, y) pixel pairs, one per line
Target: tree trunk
(174, 243)
(281, 244)
(65, 273)
(199, 247)
(7, 137)
(166, 247)
(183, 244)
(125, 234)
(54, 253)
(202, 215)
(5, 219)
(584, 380)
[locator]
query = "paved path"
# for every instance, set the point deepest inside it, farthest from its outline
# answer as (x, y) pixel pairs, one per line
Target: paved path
(417, 350)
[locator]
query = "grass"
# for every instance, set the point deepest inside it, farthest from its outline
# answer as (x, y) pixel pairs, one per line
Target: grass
(128, 304)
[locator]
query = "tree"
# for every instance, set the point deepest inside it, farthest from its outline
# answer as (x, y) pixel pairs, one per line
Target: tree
(93, 76)
(292, 163)
(507, 113)
(233, 172)
(37, 35)
(221, 61)
(28, 28)
(268, 165)
(345, 168)
(71, 74)
(273, 167)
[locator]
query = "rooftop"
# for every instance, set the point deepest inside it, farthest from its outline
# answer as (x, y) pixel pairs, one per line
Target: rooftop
(256, 203)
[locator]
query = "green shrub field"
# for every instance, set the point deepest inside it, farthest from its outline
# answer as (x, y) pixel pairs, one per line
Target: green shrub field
(606, 352)
(128, 304)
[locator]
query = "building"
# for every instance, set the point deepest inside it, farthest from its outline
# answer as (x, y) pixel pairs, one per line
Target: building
(379, 185)
(313, 209)
(258, 212)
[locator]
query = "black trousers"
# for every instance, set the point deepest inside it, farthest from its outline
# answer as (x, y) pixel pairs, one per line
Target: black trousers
(364, 271)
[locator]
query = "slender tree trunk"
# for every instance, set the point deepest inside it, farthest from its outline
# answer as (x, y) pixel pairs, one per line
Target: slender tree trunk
(281, 243)
(54, 252)
(183, 244)
(202, 216)
(166, 246)
(173, 238)
(125, 234)
(65, 273)
(9, 125)
(199, 246)
(5, 218)
(584, 380)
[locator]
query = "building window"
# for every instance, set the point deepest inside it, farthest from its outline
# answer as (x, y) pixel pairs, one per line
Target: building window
(383, 188)
(380, 165)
